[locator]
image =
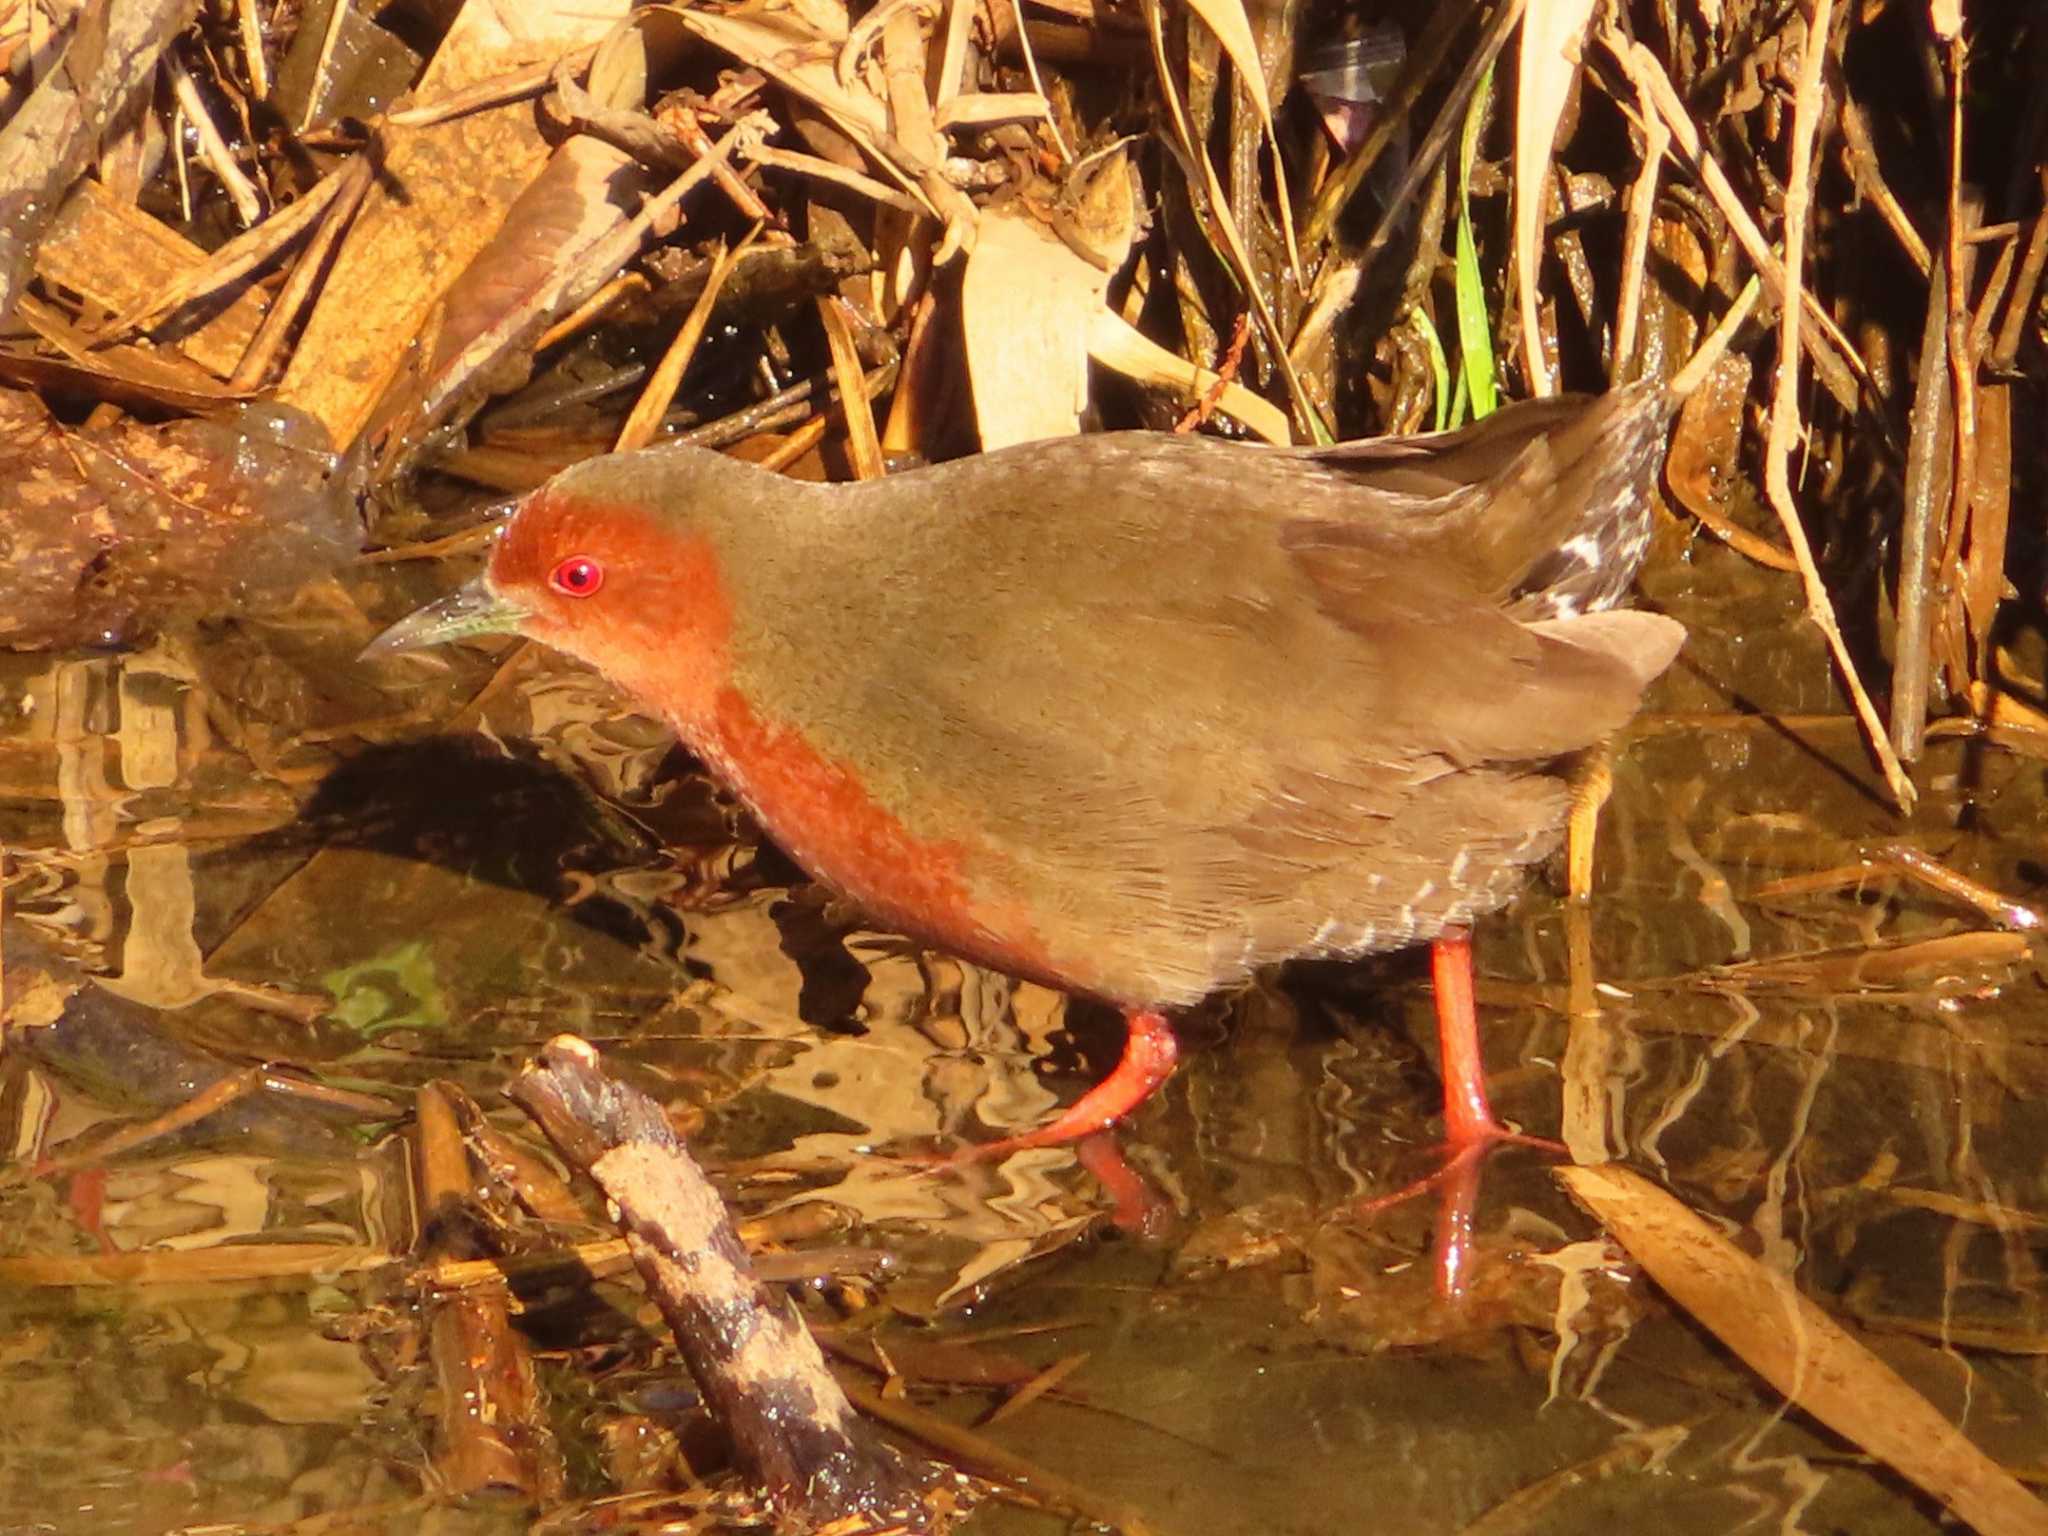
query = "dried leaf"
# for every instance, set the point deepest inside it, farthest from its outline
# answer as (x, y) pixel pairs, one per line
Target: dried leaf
(524, 277)
(444, 192)
(787, 52)
(1551, 32)
(1027, 305)
(1803, 1352)
(1115, 344)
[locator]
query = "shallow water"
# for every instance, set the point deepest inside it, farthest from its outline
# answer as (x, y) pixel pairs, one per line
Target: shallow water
(382, 877)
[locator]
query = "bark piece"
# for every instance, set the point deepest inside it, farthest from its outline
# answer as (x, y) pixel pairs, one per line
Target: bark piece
(443, 193)
(492, 1432)
(120, 258)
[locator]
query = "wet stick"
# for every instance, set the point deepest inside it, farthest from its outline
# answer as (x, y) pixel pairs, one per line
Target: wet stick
(1928, 461)
(492, 1432)
(758, 1368)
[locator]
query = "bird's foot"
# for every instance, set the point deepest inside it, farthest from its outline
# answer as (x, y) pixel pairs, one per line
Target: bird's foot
(1456, 1186)
(1150, 1054)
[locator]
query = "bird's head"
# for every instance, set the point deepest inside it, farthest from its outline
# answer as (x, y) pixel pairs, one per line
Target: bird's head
(617, 561)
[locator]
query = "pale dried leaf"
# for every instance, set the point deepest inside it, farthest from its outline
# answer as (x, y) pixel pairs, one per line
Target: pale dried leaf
(1027, 306)
(1551, 33)
(619, 70)
(1800, 1350)
(780, 47)
(1115, 344)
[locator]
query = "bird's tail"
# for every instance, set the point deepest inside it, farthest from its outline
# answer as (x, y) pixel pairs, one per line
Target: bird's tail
(1546, 503)
(1591, 481)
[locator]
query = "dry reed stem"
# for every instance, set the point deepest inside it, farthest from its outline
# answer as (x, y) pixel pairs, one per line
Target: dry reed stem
(1964, 213)
(353, 184)
(1785, 422)
(213, 148)
(1798, 1348)
(863, 444)
(1635, 261)
(643, 422)
(1841, 368)
(1223, 231)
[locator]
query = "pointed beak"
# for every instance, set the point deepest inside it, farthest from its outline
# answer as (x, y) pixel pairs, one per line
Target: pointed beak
(471, 609)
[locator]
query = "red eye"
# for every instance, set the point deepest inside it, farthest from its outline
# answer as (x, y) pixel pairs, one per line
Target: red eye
(577, 576)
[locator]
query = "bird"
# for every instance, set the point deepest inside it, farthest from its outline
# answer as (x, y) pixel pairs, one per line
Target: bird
(1135, 715)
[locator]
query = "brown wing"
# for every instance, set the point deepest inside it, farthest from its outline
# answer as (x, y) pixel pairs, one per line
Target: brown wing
(1327, 755)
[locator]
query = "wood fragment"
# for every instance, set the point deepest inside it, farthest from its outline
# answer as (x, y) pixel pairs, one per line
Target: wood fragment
(1546, 64)
(1642, 210)
(2020, 303)
(1861, 155)
(1837, 364)
(218, 274)
(492, 1433)
(440, 197)
(1038, 1386)
(123, 260)
(812, 432)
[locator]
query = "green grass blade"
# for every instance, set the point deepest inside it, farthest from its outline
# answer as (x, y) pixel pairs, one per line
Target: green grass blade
(1475, 334)
(1439, 367)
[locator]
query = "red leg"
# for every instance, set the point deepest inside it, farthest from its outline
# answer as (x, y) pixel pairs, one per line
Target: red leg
(1148, 1060)
(1468, 1117)
(1470, 1126)
(1136, 1204)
